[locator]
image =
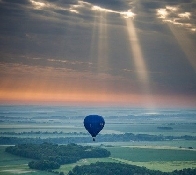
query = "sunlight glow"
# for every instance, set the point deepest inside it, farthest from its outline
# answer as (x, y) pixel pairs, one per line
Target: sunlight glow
(42, 5)
(102, 44)
(185, 15)
(74, 11)
(172, 8)
(137, 53)
(81, 4)
(162, 13)
(124, 14)
(140, 64)
(98, 8)
(128, 14)
(99, 43)
(39, 5)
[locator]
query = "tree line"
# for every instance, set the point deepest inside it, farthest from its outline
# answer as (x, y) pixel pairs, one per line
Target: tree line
(42, 132)
(101, 138)
(51, 156)
(111, 168)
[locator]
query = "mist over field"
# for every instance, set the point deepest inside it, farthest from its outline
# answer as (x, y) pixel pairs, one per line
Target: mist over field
(118, 120)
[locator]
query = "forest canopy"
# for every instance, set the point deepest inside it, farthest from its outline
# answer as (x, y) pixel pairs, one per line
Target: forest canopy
(51, 156)
(111, 168)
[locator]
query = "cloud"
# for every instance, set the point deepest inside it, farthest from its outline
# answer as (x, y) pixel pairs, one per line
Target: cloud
(20, 77)
(177, 16)
(150, 5)
(115, 5)
(147, 14)
(80, 7)
(53, 5)
(19, 2)
(70, 62)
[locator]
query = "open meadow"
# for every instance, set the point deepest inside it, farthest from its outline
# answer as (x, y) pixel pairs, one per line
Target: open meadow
(165, 159)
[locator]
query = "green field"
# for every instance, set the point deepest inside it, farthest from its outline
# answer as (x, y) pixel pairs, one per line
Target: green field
(155, 158)
(151, 128)
(137, 154)
(164, 166)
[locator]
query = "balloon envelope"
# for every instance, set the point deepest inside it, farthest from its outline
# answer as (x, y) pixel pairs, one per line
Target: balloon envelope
(94, 124)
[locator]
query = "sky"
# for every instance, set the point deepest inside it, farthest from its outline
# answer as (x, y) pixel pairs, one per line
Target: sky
(137, 53)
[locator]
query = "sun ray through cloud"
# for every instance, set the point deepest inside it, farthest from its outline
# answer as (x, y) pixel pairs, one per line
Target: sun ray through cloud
(140, 64)
(99, 43)
(102, 44)
(185, 43)
(93, 50)
(178, 22)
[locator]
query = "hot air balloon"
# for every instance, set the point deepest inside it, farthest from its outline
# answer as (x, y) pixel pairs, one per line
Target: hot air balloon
(94, 124)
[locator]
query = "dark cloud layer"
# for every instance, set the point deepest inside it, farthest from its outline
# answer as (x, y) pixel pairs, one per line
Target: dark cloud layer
(74, 35)
(113, 5)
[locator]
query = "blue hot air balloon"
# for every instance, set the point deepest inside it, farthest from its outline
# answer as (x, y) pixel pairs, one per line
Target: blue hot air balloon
(94, 124)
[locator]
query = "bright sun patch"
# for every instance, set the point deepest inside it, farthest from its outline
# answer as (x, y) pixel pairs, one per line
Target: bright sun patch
(38, 5)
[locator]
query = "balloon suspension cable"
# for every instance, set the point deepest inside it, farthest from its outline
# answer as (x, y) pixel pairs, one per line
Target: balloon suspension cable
(93, 139)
